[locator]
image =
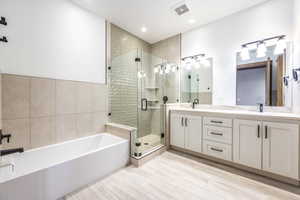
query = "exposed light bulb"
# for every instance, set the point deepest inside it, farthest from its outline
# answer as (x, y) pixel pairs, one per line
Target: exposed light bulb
(161, 72)
(168, 67)
(261, 50)
(174, 68)
(144, 29)
(140, 75)
(280, 46)
(156, 70)
(245, 55)
(192, 21)
(188, 66)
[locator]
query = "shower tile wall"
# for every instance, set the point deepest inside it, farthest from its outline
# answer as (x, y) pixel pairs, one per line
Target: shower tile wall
(40, 111)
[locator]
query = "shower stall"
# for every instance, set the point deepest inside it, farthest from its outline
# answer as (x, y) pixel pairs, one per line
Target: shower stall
(138, 81)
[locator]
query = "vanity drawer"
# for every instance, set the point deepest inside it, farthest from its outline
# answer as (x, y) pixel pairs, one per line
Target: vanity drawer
(214, 121)
(218, 150)
(218, 134)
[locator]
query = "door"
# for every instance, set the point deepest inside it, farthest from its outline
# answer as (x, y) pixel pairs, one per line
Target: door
(281, 149)
(177, 130)
(193, 133)
(247, 143)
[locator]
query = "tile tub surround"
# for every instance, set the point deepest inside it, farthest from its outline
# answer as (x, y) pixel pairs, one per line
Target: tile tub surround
(40, 111)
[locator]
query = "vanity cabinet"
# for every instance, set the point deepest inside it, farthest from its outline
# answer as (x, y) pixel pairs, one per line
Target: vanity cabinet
(186, 132)
(254, 141)
(281, 149)
(272, 147)
(247, 143)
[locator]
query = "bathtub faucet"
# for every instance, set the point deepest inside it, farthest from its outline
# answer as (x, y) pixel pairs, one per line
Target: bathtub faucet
(11, 151)
(2, 137)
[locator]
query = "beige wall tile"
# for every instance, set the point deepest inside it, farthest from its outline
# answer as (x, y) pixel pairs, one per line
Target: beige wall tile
(65, 97)
(42, 131)
(42, 95)
(84, 123)
(99, 98)
(15, 96)
(99, 121)
(19, 129)
(84, 97)
(66, 128)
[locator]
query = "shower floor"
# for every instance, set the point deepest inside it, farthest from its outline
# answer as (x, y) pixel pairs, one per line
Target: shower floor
(148, 142)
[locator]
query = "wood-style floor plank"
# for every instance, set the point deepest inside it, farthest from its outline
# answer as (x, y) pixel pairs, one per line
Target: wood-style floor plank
(171, 176)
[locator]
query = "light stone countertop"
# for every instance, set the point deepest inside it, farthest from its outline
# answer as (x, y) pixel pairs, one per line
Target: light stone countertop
(241, 113)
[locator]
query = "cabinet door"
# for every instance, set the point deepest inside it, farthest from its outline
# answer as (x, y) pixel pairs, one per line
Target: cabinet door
(247, 143)
(177, 130)
(281, 149)
(193, 133)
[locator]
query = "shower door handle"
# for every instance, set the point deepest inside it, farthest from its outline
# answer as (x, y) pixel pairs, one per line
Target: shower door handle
(144, 104)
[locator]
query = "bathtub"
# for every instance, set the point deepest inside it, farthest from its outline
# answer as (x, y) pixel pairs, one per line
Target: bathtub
(51, 172)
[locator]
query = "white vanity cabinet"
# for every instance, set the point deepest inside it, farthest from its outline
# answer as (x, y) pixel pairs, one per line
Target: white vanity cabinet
(270, 146)
(281, 149)
(247, 143)
(268, 142)
(186, 132)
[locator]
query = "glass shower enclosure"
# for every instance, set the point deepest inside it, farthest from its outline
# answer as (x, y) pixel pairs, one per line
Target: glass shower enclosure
(137, 93)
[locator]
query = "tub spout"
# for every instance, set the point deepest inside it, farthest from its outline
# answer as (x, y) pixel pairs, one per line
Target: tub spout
(11, 151)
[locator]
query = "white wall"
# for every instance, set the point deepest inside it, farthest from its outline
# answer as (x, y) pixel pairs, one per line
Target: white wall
(223, 39)
(297, 53)
(53, 39)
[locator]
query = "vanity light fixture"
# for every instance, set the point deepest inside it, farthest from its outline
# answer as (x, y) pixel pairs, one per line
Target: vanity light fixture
(195, 61)
(262, 47)
(165, 68)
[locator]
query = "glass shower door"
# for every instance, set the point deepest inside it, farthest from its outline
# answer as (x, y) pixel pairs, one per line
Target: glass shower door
(150, 113)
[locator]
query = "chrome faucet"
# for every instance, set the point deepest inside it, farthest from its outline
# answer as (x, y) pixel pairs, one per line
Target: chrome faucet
(196, 101)
(260, 107)
(2, 137)
(8, 151)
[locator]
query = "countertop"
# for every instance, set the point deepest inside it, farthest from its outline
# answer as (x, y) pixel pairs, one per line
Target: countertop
(241, 113)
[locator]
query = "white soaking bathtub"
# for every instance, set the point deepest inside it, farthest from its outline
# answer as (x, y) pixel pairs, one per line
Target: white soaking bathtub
(51, 172)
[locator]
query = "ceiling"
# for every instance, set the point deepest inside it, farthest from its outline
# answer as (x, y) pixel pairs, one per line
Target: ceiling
(158, 16)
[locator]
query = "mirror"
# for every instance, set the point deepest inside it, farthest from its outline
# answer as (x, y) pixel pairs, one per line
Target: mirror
(259, 79)
(196, 81)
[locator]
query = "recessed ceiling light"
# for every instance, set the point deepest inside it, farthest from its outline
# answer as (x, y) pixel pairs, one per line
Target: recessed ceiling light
(144, 29)
(192, 21)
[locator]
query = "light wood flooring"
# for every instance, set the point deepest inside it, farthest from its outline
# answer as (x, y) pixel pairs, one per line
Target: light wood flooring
(174, 177)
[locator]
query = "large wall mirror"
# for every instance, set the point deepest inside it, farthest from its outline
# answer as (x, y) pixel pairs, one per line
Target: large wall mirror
(196, 81)
(259, 78)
